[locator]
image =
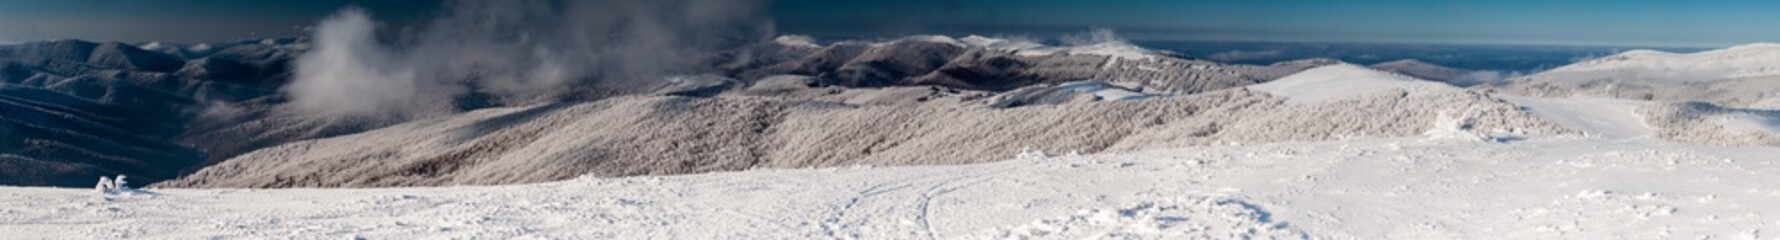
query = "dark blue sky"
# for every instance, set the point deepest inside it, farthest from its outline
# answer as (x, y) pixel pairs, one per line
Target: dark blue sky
(1567, 22)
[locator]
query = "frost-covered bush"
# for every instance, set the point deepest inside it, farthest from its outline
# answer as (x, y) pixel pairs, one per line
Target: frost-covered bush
(108, 185)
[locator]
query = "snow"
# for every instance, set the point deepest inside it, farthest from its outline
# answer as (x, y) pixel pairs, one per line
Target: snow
(1748, 123)
(1120, 50)
(1750, 60)
(942, 39)
(1453, 125)
(1066, 93)
(1001, 43)
(797, 41)
(1769, 103)
(1603, 117)
(1344, 81)
(1102, 91)
(1357, 189)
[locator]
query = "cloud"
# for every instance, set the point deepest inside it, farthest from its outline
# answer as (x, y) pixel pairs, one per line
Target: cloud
(11, 39)
(1093, 36)
(511, 52)
(1487, 78)
(349, 73)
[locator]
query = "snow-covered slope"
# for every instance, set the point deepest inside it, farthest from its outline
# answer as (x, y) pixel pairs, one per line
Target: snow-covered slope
(47, 138)
(1737, 76)
(678, 135)
(1419, 69)
(1604, 117)
(1343, 81)
(223, 99)
(1357, 189)
(1708, 123)
(1749, 60)
(1070, 92)
(1116, 49)
(71, 109)
(993, 64)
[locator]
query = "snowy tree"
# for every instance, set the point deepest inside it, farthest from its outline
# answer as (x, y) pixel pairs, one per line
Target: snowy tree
(119, 184)
(105, 185)
(109, 185)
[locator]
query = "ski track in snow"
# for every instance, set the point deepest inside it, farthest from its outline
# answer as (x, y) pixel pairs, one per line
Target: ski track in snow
(1366, 188)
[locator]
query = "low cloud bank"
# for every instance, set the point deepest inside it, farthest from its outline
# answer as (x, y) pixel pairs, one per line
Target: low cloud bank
(509, 51)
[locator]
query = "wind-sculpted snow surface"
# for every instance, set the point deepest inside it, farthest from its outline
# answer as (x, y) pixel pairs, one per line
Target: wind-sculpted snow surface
(1398, 188)
(678, 135)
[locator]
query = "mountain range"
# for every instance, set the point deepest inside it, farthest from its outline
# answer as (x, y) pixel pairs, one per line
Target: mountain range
(212, 115)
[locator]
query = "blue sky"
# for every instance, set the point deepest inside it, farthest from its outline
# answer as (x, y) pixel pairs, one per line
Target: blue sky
(1566, 22)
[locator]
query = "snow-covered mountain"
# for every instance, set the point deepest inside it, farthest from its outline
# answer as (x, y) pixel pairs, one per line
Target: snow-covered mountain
(982, 63)
(163, 108)
(1174, 148)
(1421, 70)
(778, 124)
(1742, 61)
(75, 109)
(1736, 76)
(1718, 97)
(788, 103)
(1342, 81)
(802, 121)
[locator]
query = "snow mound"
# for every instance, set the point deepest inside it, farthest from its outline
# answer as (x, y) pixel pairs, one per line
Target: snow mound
(1344, 81)
(1186, 218)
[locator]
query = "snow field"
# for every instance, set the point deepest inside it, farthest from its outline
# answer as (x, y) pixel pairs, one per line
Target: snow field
(1367, 188)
